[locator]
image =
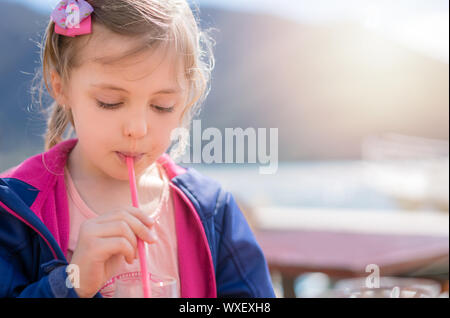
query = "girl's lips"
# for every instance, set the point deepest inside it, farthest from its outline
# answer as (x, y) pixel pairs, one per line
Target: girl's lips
(123, 157)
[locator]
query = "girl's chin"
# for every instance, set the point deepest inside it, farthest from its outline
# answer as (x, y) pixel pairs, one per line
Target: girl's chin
(121, 168)
(118, 176)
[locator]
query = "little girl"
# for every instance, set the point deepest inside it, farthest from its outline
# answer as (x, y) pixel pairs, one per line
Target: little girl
(124, 74)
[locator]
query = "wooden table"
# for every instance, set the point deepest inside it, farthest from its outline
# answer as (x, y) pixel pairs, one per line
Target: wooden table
(344, 255)
(294, 246)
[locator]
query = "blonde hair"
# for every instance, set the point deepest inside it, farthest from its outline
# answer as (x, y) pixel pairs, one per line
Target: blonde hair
(156, 22)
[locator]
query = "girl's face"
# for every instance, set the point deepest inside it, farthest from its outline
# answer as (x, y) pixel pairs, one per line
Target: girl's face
(131, 107)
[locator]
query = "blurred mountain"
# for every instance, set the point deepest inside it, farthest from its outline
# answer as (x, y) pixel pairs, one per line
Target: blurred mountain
(19, 56)
(324, 87)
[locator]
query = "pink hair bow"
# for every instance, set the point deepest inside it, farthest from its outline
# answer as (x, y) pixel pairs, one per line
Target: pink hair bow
(72, 17)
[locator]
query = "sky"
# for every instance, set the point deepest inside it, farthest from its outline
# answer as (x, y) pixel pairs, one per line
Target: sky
(422, 25)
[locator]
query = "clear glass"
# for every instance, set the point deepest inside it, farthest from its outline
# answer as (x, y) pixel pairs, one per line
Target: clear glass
(129, 285)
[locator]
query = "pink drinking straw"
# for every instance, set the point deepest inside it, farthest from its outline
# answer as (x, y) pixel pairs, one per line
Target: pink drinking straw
(141, 246)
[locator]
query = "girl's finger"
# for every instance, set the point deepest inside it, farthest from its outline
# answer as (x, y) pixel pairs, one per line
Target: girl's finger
(141, 215)
(148, 220)
(111, 246)
(136, 225)
(117, 228)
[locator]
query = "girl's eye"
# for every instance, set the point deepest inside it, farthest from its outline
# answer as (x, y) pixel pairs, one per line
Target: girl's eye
(159, 109)
(108, 106)
(163, 109)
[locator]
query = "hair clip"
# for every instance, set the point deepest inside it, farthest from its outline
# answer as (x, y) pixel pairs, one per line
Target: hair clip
(72, 17)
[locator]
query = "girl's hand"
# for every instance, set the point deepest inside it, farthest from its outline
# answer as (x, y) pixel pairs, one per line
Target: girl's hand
(104, 241)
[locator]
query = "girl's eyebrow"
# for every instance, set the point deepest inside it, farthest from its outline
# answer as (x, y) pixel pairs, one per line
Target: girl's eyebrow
(112, 87)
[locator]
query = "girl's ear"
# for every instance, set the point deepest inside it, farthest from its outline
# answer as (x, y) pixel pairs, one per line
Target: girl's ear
(57, 88)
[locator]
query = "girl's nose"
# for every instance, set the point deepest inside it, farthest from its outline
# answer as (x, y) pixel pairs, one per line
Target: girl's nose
(136, 125)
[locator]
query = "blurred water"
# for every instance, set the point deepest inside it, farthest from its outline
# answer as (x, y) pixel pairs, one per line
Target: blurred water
(325, 184)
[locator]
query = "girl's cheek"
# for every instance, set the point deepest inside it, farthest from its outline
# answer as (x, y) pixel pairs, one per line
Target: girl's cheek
(94, 126)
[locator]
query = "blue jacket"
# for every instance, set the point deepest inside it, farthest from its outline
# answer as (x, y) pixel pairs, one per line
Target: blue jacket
(33, 246)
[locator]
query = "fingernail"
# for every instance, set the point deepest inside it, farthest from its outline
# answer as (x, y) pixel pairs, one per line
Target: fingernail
(152, 236)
